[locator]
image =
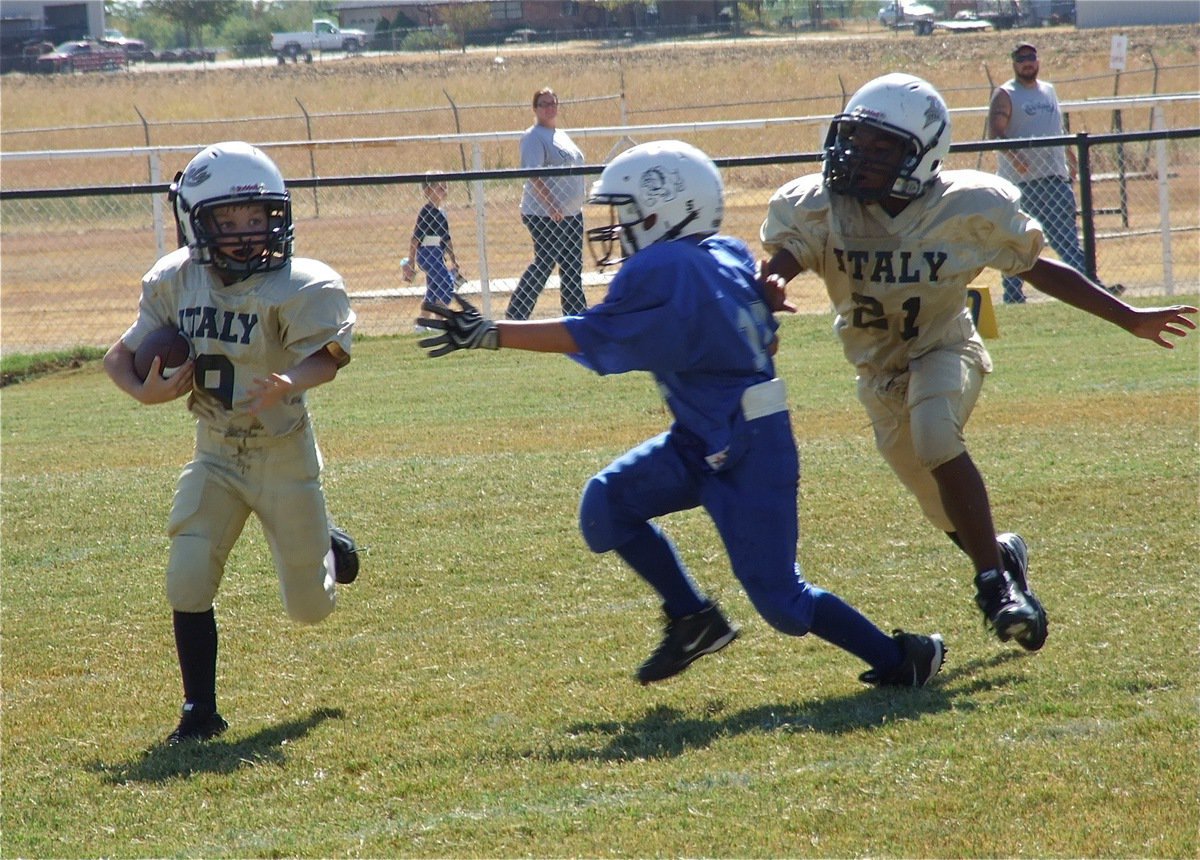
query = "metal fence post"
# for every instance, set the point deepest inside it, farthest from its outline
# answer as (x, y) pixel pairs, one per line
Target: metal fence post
(1086, 204)
(1122, 181)
(623, 104)
(156, 204)
(485, 289)
(462, 154)
(312, 159)
(1122, 173)
(153, 163)
(1157, 123)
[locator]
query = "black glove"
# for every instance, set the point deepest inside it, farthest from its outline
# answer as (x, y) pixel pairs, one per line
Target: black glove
(464, 329)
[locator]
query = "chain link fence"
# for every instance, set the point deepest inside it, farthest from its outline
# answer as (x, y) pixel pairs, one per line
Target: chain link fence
(71, 259)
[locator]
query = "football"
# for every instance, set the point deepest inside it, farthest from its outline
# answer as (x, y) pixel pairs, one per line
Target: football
(166, 343)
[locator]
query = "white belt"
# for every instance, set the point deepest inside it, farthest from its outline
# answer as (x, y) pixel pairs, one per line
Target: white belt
(766, 398)
(431, 241)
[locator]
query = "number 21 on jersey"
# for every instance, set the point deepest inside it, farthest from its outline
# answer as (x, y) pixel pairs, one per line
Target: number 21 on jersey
(868, 313)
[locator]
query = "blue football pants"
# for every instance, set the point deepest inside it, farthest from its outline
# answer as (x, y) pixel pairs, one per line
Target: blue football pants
(752, 503)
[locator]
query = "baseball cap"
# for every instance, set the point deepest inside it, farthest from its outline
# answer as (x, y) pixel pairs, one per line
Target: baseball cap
(1024, 46)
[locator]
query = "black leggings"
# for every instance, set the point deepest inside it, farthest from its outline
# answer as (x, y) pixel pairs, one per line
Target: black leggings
(554, 243)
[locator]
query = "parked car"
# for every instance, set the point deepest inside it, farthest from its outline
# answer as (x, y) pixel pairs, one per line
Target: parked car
(22, 41)
(524, 34)
(195, 55)
(324, 36)
(185, 55)
(31, 52)
(82, 55)
(135, 49)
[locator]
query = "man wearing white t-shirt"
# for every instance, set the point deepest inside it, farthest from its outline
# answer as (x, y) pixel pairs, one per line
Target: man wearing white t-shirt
(1026, 107)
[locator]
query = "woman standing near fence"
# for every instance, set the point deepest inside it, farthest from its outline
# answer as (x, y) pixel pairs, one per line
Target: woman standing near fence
(552, 211)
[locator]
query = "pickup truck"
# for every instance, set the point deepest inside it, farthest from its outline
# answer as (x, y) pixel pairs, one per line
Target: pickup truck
(901, 14)
(324, 36)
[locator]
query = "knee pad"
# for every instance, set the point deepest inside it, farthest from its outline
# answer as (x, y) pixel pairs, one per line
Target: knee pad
(314, 604)
(192, 574)
(790, 614)
(787, 607)
(783, 621)
(307, 575)
(936, 432)
(595, 516)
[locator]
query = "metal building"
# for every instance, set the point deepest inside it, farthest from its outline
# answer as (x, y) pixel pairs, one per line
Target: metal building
(1106, 13)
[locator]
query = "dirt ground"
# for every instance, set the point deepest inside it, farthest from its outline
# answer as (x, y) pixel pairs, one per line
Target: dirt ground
(70, 271)
(671, 82)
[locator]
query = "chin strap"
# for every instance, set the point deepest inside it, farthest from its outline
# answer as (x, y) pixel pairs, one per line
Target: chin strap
(678, 228)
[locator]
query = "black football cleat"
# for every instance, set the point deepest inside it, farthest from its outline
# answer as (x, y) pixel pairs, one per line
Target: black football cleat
(1016, 562)
(197, 725)
(685, 640)
(1006, 610)
(923, 658)
(345, 556)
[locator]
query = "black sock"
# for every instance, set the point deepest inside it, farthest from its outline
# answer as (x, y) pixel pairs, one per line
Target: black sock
(196, 644)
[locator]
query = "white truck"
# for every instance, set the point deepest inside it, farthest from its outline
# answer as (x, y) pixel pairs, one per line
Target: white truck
(324, 36)
(902, 14)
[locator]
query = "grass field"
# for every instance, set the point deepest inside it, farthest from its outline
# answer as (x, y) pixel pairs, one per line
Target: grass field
(472, 696)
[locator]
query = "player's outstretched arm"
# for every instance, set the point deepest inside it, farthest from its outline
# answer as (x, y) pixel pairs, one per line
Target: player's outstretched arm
(461, 328)
(1065, 284)
(1156, 323)
(466, 328)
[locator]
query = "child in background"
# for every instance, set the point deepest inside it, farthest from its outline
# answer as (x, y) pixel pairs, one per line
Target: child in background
(431, 245)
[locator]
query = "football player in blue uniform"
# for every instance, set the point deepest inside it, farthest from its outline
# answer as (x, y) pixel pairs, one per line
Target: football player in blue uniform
(686, 307)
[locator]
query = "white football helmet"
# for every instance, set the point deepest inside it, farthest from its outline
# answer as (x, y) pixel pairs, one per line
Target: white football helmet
(233, 173)
(657, 192)
(910, 112)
